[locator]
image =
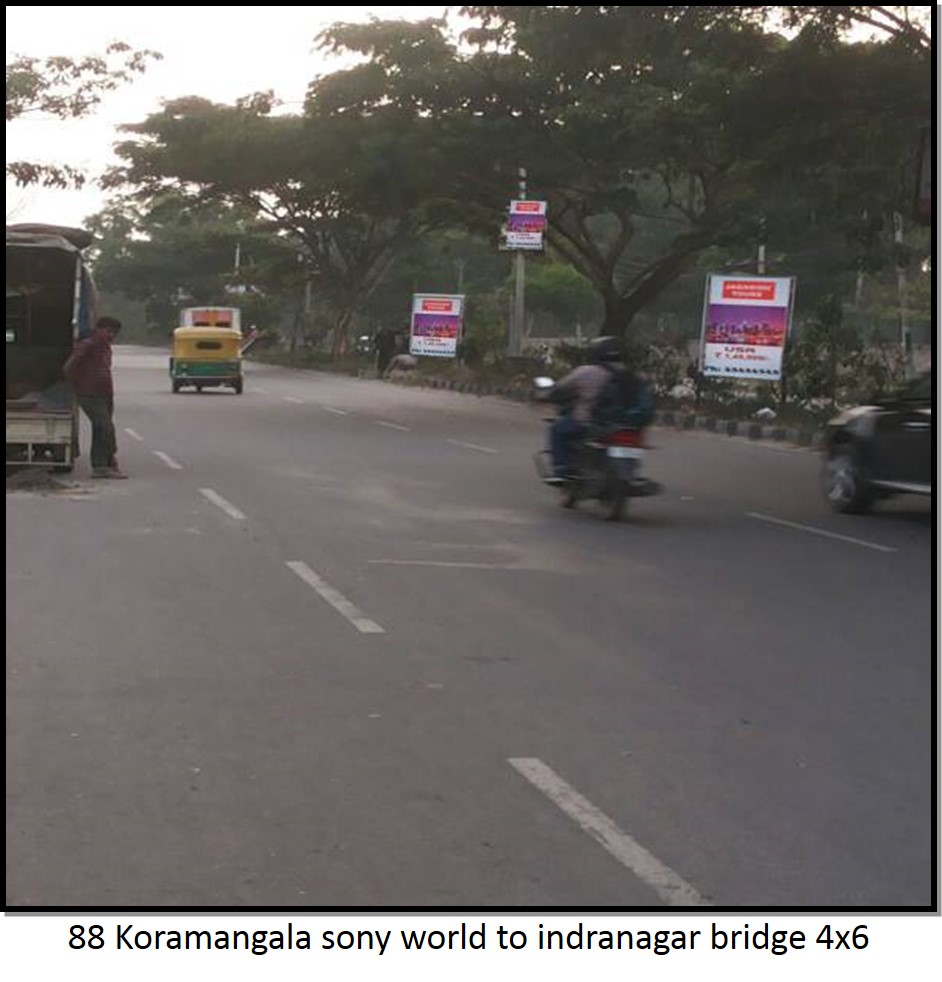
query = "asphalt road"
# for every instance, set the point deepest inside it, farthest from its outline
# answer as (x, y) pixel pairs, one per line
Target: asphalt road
(333, 644)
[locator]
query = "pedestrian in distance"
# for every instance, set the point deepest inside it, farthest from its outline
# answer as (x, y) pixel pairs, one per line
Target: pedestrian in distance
(88, 369)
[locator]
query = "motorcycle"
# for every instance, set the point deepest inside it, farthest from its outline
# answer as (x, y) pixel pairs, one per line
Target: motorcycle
(606, 464)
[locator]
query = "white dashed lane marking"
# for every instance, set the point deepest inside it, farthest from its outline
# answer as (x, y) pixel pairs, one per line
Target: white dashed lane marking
(473, 446)
(220, 502)
(437, 562)
(134, 434)
(392, 426)
(671, 888)
(168, 460)
(335, 598)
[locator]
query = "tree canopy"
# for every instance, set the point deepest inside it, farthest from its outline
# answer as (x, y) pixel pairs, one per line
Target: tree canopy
(347, 194)
(65, 88)
(654, 133)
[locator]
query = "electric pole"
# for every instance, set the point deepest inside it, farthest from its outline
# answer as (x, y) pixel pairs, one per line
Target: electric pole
(515, 335)
(760, 253)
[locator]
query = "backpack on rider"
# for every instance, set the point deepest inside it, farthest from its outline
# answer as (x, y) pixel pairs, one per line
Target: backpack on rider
(626, 398)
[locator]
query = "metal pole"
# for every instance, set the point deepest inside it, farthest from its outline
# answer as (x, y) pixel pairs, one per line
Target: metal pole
(904, 335)
(859, 289)
(760, 256)
(517, 320)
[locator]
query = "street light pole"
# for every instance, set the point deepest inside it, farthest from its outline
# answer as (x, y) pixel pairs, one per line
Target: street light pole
(515, 337)
(760, 254)
(904, 335)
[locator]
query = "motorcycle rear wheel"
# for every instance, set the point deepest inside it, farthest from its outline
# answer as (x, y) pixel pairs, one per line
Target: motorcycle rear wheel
(616, 499)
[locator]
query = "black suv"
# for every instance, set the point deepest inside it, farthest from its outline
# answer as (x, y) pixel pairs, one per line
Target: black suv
(884, 448)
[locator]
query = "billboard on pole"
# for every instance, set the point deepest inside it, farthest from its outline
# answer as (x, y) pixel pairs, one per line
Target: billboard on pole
(746, 320)
(436, 324)
(526, 223)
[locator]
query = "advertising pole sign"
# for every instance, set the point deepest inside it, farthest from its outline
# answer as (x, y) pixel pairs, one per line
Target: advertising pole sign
(746, 320)
(526, 224)
(436, 325)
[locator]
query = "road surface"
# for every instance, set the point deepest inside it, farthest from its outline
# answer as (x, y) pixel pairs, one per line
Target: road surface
(334, 645)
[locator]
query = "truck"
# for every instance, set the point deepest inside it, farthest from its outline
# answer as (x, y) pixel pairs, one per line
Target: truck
(51, 301)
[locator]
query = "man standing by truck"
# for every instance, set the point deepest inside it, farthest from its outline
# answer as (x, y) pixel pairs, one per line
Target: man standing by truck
(88, 368)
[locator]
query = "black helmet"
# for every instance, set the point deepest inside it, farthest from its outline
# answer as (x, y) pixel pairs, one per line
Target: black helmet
(604, 349)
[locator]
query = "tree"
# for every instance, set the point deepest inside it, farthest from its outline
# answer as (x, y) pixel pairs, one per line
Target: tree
(557, 290)
(175, 253)
(442, 261)
(907, 26)
(348, 194)
(653, 132)
(65, 88)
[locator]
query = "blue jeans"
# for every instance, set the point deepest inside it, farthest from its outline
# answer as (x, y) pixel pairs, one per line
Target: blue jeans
(99, 411)
(564, 432)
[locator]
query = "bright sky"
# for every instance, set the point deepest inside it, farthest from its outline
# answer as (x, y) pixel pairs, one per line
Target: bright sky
(219, 53)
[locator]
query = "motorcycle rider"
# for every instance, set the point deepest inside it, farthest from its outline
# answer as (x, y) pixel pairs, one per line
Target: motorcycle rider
(582, 388)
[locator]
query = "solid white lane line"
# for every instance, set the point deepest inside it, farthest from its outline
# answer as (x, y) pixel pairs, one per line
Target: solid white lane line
(335, 598)
(393, 426)
(436, 562)
(672, 889)
(220, 502)
(816, 531)
(293, 399)
(134, 434)
(336, 412)
(473, 446)
(168, 460)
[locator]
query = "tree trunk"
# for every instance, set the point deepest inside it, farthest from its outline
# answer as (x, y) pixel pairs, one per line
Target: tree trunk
(341, 341)
(619, 313)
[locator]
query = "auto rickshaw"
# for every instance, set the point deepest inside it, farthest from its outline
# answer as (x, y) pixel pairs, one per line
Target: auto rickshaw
(211, 317)
(206, 357)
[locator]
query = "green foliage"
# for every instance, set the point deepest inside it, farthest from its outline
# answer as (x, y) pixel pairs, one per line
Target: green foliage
(908, 27)
(829, 364)
(560, 291)
(176, 253)
(655, 133)
(349, 194)
(484, 341)
(567, 356)
(65, 88)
